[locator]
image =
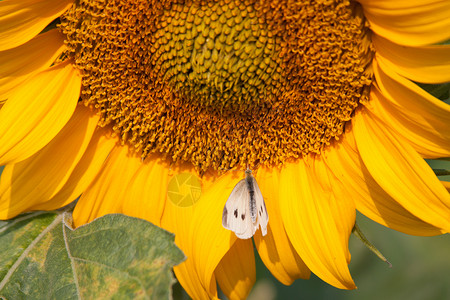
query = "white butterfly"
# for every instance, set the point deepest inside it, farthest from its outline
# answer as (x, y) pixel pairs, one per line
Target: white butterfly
(245, 209)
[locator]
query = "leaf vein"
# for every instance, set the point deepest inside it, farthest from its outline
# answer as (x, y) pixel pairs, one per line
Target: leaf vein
(74, 272)
(28, 249)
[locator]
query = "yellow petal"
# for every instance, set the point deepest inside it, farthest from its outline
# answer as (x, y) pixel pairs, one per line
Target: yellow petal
(427, 64)
(147, 192)
(422, 137)
(209, 240)
(370, 199)
(106, 194)
(418, 116)
(403, 92)
(410, 23)
(275, 249)
(401, 172)
(22, 20)
(189, 280)
(38, 178)
(312, 217)
(172, 210)
(236, 271)
(22, 62)
(148, 189)
(37, 111)
(179, 219)
(344, 211)
(84, 173)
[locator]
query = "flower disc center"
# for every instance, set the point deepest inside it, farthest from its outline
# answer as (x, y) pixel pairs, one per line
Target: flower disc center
(220, 83)
(218, 54)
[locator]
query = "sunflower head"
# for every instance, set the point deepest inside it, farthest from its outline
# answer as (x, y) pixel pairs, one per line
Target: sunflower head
(222, 83)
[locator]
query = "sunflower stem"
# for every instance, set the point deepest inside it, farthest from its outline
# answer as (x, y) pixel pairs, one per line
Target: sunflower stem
(358, 233)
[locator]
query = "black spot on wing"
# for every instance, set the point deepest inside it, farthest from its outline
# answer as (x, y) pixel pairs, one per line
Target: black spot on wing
(235, 213)
(261, 210)
(225, 215)
(243, 217)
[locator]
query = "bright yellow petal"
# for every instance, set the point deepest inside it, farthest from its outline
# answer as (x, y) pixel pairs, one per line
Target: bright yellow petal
(427, 64)
(178, 219)
(22, 62)
(148, 189)
(22, 20)
(409, 22)
(236, 271)
(106, 193)
(209, 240)
(38, 178)
(401, 172)
(275, 249)
(84, 173)
(406, 94)
(415, 114)
(188, 279)
(421, 136)
(147, 192)
(344, 211)
(312, 218)
(172, 211)
(37, 111)
(370, 199)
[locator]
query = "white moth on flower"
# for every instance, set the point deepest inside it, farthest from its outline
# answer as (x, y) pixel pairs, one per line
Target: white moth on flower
(245, 209)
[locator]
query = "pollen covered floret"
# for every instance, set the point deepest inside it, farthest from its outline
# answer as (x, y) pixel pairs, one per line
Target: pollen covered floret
(221, 83)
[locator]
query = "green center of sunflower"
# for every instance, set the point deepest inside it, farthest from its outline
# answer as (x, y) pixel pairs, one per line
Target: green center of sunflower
(218, 55)
(221, 83)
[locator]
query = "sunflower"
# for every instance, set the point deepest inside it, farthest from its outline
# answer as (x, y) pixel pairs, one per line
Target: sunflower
(140, 107)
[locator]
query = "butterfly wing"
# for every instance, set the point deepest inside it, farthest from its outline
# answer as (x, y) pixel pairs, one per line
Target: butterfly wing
(236, 213)
(261, 211)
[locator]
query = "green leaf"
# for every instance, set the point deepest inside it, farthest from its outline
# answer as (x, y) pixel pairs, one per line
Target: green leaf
(115, 256)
